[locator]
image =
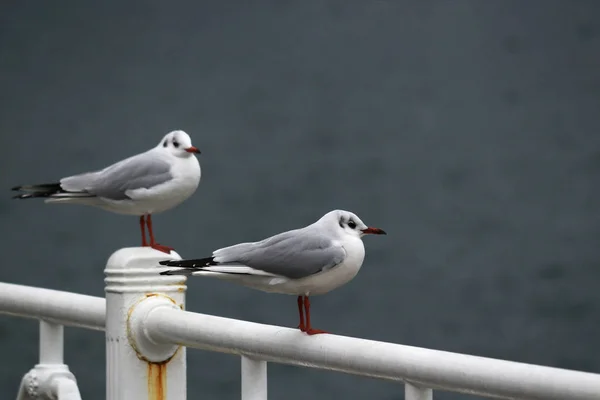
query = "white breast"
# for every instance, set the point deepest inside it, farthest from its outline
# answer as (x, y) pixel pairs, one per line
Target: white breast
(186, 178)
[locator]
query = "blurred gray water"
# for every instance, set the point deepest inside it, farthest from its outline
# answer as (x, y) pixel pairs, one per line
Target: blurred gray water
(468, 130)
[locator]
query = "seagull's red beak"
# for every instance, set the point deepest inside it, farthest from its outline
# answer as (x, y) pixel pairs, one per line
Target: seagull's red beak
(192, 149)
(373, 231)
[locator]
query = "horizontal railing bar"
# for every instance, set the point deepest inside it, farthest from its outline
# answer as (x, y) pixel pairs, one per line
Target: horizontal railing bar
(64, 308)
(424, 367)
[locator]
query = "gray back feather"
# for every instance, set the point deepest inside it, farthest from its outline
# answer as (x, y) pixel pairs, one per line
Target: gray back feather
(294, 254)
(113, 182)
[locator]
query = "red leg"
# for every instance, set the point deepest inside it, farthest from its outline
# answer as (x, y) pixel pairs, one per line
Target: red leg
(309, 330)
(150, 231)
(302, 327)
(153, 244)
(143, 228)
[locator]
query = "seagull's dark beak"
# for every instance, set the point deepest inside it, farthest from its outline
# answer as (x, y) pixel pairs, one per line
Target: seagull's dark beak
(373, 231)
(192, 149)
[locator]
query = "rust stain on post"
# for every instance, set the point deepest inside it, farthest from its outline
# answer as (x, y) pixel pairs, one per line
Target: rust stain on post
(157, 381)
(156, 371)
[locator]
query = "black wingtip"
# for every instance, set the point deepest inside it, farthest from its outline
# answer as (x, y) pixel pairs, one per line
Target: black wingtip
(182, 271)
(169, 272)
(192, 263)
(168, 263)
(39, 190)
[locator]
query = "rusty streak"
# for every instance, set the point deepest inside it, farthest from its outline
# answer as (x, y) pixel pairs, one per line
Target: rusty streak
(157, 381)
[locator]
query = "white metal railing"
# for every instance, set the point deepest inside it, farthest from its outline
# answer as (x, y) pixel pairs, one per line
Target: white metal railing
(51, 378)
(147, 333)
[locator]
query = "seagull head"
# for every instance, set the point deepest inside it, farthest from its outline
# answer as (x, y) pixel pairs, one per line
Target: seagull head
(348, 223)
(179, 144)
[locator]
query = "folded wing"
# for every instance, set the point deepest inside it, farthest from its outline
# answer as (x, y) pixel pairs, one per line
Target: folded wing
(118, 181)
(295, 255)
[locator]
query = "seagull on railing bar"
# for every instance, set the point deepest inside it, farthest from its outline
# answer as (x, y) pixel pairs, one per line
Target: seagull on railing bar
(303, 262)
(145, 184)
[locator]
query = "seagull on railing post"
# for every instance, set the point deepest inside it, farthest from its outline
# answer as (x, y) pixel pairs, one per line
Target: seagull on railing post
(145, 184)
(309, 261)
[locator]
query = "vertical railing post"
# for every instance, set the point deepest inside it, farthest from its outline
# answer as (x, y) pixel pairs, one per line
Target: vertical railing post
(51, 343)
(412, 392)
(254, 379)
(136, 369)
(51, 378)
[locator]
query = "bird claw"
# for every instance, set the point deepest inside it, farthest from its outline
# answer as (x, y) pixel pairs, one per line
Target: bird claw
(311, 331)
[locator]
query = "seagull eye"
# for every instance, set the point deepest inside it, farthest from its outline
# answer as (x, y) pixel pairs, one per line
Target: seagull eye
(175, 143)
(165, 143)
(351, 224)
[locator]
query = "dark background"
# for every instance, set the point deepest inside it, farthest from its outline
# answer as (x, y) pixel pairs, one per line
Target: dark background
(468, 130)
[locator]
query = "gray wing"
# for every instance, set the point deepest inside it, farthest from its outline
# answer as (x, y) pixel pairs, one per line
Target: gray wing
(294, 254)
(113, 182)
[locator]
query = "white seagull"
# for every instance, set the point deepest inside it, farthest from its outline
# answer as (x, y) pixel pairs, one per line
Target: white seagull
(309, 261)
(145, 184)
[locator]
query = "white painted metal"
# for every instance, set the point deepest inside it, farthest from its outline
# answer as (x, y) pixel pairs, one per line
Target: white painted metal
(65, 389)
(135, 369)
(49, 382)
(149, 350)
(423, 367)
(51, 343)
(62, 307)
(146, 327)
(254, 379)
(50, 379)
(412, 392)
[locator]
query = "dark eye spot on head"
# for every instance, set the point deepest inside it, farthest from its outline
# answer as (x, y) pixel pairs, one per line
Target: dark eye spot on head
(165, 143)
(175, 143)
(341, 222)
(351, 224)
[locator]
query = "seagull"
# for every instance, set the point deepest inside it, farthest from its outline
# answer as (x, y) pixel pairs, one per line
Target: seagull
(309, 261)
(145, 184)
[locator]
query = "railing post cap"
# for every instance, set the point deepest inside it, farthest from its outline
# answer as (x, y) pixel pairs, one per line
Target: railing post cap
(137, 270)
(138, 257)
